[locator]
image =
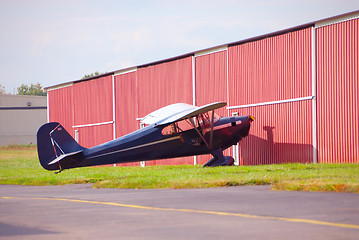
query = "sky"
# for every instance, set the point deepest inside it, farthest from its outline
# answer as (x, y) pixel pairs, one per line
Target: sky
(52, 42)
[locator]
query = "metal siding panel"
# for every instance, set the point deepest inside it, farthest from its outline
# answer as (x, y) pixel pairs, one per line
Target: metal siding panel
(22, 100)
(95, 135)
(61, 107)
(20, 126)
(126, 103)
(211, 78)
(171, 161)
(163, 84)
(211, 85)
(93, 101)
(126, 106)
(337, 92)
(279, 134)
(272, 69)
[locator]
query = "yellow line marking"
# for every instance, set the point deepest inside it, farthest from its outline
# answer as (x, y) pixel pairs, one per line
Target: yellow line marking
(285, 219)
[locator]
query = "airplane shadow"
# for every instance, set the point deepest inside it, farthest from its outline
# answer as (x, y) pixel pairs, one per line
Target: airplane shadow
(7, 230)
(255, 150)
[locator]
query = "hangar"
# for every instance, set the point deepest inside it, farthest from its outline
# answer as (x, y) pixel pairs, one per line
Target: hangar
(301, 84)
(20, 118)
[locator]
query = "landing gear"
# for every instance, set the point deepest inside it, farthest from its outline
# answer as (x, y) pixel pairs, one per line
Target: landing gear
(218, 159)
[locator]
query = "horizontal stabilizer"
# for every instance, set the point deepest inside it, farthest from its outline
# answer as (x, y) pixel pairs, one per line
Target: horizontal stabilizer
(64, 156)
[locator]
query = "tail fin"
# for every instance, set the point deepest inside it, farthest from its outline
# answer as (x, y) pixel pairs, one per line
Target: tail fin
(55, 144)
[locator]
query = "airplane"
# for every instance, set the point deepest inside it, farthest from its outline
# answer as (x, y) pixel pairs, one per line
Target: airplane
(176, 130)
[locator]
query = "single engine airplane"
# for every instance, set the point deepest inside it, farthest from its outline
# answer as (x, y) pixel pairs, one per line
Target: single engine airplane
(177, 130)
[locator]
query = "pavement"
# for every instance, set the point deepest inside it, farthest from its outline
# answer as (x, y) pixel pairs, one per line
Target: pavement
(255, 212)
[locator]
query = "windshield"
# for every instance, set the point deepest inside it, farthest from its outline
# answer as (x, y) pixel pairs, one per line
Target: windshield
(204, 120)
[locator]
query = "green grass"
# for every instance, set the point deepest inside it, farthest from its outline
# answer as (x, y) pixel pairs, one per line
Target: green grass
(20, 165)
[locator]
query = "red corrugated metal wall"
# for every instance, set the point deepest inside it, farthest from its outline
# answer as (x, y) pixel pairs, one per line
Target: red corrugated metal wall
(280, 133)
(274, 68)
(163, 84)
(337, 92)
(211, 70)
(61, 107)
(126, 103)
(93, 101)
(95, 135)
(211, 85)
(126, 106)
(93, 104)
(271, 69)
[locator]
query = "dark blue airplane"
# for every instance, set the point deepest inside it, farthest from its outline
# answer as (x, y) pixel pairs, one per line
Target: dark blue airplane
(177, 130)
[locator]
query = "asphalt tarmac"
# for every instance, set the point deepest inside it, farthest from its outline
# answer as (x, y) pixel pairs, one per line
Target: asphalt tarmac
(80, 212)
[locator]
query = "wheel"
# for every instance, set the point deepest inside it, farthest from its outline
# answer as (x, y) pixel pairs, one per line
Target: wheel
(229, 160)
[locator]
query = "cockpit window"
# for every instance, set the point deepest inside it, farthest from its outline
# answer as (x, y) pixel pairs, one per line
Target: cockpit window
(177, 127)
(202, 122)
(169, 130)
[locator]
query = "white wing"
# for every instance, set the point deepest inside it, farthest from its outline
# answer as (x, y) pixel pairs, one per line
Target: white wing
(166, 112)
(177, 112)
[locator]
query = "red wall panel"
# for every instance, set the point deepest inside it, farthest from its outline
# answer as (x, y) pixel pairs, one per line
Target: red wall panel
(61, 107)
(280, 133)
(164, 84)
(172, 161)
(126, 103)
(271, 69)
(93, 101)
(337, 92)
(126, 106)
(211, 78)
(95, 135)
(211, 85)
(93, 104)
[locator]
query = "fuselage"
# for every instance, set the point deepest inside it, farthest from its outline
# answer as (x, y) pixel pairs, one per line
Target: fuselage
(151, 142)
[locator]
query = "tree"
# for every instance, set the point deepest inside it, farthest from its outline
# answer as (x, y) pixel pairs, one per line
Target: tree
(91, 75)
(2, 89)
(33, 89)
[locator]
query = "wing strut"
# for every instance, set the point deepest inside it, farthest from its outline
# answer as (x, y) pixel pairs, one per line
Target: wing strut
(211, 136)
(210, 145)
(199, 133)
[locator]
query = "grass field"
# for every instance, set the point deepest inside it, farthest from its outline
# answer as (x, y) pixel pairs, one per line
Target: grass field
(20, 165)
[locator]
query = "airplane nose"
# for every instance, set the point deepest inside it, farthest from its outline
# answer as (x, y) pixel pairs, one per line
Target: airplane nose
(239, 120)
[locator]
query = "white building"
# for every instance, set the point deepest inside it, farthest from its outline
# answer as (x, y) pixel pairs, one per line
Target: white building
(20, 118)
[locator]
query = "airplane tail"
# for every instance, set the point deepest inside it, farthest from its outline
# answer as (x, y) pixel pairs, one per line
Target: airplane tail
(56, 148)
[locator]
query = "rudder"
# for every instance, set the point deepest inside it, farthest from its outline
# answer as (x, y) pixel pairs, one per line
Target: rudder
(52, 142)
